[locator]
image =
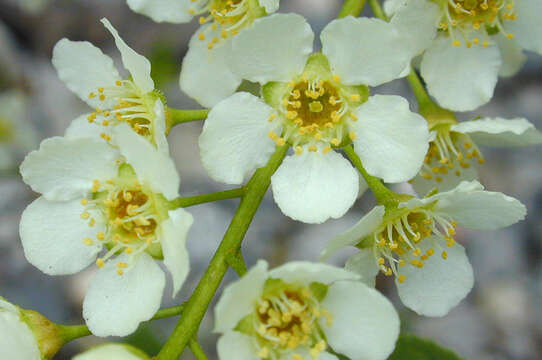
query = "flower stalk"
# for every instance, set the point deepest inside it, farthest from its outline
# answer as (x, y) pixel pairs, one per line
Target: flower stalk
(205, 198)
(177, 116)
(351, 8)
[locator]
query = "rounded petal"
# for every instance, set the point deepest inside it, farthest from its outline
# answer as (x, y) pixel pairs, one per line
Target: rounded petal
(528, 27)
(52, 234)
(440, 285)
(392, 6)
(81, 128)
(365, 324)
(307, 272)
(235, 140)
(500, 132)
(84, 68)
(234, 345)
(151, 165)
(238, 298)
(446, 182)
(460, 78)
(364, 51)
(270, 6)
(173, 240)
(356, 233)
(138, 66)
(364, 264)
(16, 339)
(512, 55)
(115, 304)
(274, 48)
(113, 352)
(163, 10)
(391, 140)
(205, 74)
(313, 187)
(64, 168)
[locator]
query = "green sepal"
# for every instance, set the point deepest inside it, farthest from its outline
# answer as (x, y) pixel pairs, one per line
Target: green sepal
(410, 347)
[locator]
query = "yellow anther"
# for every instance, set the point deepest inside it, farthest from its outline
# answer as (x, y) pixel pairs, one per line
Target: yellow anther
(313, 148)
(335, 142)
(456, 43)
(263, 353)
(355, 97)
(485, 44)
(430, 252)
(201, 36)
(129, 250)
(291, 115)
(272, 117)
(281, 141)
(352, 135)
(444, 255)
(298, 150)
(401, 278)
(122, 265)
(353, 116)
(272, 135)
(100, 262)
(381, 261)
(326, 149)
(92, 222)
(510, 36)
(417, 252)
(120, 271)
(336, 78)
(85, 215)
(88, 241)
(100, 236)
(84, 202)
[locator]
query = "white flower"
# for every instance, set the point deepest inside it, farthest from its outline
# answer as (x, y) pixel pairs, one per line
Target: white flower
(96, 197)
(205, 74)
(454, 155)
(113, 352)
(301, 311)
(315, 104)
(415, 242)
(469, 44)
(17, 342)
(91, 75)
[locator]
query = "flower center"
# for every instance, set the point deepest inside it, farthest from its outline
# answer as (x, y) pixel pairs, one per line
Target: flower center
(396, 243)
(466, 16)
(287, 321)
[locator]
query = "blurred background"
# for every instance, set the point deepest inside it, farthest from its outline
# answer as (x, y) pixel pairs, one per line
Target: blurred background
(501, 318)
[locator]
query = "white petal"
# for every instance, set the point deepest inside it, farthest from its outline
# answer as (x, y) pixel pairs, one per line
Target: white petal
(306, 272)
(84, 69)
(234, 345)
(365, 324)
(7, 306)
(16, 339)
(512, 55)
(501, 132)
(274, 48)
(151, 165)
(52, 234)
(364, 51)
(113, 352)
(364, 264)
(391, 140)
(528, 27)
(270, 5)
(392, 6)
(173, 240)
(64, 168)
(440, 285)
(447, 182)
(313, 187)
(173, 11)
(81, 128)
(460, 78)
(238, 298)
(205, 75)
(117, 304)
(356, 233)
(138, 66)
(235, 140)
(159, 127)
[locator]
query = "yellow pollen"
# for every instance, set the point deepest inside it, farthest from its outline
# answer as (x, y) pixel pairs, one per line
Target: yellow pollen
(444, 255)
(336, 78)
(88, 241)
(401, 278)
(100, 263)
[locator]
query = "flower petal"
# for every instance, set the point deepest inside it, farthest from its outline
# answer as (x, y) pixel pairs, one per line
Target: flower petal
(173, 240)
(512, 55)
(313, 187)
(17, 341)
(234, 345)
(307, 272)
(80, 127)
(363, 51)
(163, 10)
(52, 234)
(235, 140)
(113, 352)
(84, 68)
(64, 168)
(440, 285)
(138, 66)
(356, 233)
(270, 6)
(392, 6)
(117, 304)
(364, 264)
(501, 132)
(205, 75)
(460, 78)
(391, 141)
(274, 48)
(365, 324)
(238, 298)
(159, 127)
(527, 28)
(151, 165)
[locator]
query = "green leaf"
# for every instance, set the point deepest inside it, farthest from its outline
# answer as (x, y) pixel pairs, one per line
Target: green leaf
(413, 348)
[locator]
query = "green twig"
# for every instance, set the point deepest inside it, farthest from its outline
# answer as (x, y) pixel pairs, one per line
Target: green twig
(177, 116)
(197, 350)
(205, 198)
(377, 10)
(237, 263)
(351, 8)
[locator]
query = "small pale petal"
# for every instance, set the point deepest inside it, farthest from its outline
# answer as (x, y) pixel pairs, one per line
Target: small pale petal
(235, 140)
(234, 345)
(307, 272)
(460, 78)
(364, 264)
(528, 27)
(313, 187)
(16, 339)
(500, 132)
(392, 6)
(173, 240)
(440, 285)
(80, 127)
(172, 11)
(270, 6)
(64, 168)
(138, 66)
(512, 55)
(365, 324)
(391, 140)
(159, 127)
(238, 298)
(274, 48)
(112, 352)
(364, 51)
(53, 234)
(115, 304)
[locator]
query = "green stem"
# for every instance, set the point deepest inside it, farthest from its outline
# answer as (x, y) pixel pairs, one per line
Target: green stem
(384, 196)
(197, 350)
(203, 294)
(351, 8)
(177, 116)
(424, 101)
(205, 198)
(377, 10)
(237, 263)
(168, 312)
